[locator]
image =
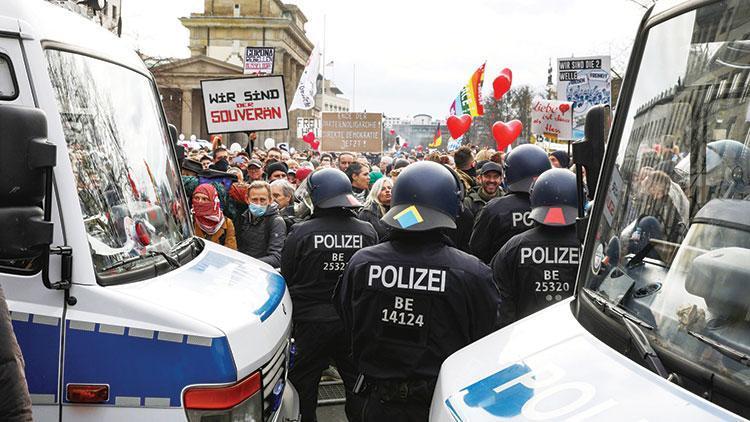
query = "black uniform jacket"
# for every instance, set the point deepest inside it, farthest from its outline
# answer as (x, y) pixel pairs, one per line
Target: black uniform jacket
(535, 269)
(410, 302)
(314, 257)
(499, 220)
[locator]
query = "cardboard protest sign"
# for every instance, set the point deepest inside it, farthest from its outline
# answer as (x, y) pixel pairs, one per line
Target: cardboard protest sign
(259, 60)
(353, 132)
(245, 104)
(553, 119)
(586, 82)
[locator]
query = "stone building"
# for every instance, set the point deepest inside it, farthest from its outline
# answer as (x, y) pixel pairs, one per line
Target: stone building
(218, 38)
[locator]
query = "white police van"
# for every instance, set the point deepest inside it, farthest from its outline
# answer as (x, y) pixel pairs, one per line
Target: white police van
(659, 328)
(121, 314)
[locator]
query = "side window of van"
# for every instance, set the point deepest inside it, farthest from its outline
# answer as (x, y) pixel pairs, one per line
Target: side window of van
(8, 84)
(9, 92)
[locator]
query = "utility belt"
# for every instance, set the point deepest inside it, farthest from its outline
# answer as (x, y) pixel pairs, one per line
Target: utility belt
(401, 391)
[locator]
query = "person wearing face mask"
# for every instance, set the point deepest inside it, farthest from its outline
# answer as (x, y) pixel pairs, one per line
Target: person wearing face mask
(209, 221)
(260, 230)
(221, 159)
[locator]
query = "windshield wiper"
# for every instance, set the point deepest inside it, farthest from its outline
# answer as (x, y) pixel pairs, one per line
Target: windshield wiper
(173, 262)
(616, 309)
(633, 326)
(723, 349)
(179, 246)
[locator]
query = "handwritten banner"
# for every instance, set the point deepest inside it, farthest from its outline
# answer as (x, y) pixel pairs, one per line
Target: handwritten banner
(552, 119)
(352, 132)
(245, 104)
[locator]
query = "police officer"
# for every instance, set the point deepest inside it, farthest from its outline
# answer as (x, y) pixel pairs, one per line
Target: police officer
(538, 267)
(505, 217)
(410, 302)
(314, 256)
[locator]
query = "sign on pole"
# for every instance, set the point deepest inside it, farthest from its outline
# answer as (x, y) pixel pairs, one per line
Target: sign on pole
(353, 132)
(552, 119)
(245, 104)
(586, 82)
(259, 60)
(306, 125)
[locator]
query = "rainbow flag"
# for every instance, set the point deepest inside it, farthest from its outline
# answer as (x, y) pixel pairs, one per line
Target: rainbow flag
(438, 140)
(469, 99)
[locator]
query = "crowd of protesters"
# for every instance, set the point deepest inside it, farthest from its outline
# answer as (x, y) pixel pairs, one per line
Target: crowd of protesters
(249, 198)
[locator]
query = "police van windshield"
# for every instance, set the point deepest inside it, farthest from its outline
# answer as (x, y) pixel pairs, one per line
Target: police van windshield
(673, 244)
(129, 189)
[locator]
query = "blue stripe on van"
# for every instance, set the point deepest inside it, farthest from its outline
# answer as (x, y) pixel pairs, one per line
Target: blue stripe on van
(136, 366)
(40, 344)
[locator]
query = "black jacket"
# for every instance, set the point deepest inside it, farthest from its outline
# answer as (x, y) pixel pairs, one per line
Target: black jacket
(371, 214)
(499, 220)
(535, 269)
(461, 235)
(314, 257)
(410, 302)
(263, 237)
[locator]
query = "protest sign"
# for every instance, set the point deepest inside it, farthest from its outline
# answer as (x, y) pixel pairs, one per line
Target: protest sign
(259, 60)
(353, 132)
(586, 82)
(306, 125)
(245, 104)
(553, 119)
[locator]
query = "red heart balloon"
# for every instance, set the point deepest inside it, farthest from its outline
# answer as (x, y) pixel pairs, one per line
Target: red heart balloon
(309, 138)
(507, 72)
(457, 126)
(315, 145)
(564, 107)
(392, 132)
(506, 133)
(501, 85)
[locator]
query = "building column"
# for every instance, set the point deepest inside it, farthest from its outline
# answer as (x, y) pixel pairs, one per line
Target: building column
(186, 123)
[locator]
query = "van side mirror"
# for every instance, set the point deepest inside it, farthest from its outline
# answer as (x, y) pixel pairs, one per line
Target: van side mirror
(26, 163)
(588, 154)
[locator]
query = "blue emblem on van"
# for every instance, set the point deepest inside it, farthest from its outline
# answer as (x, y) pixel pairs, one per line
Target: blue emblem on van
(504, 403)
(275, 289)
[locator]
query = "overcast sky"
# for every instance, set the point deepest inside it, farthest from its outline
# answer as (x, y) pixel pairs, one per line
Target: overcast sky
(412, 56)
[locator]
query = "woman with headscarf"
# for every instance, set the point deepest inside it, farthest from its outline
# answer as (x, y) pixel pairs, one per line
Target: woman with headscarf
(209, 221)
(377, 204)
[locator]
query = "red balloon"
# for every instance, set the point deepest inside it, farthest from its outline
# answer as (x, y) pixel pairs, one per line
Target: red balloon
(392, 132)
(309, 138)
(564, 108)
(506, 133)
(457, 126)
(501, 85)
(507, 73)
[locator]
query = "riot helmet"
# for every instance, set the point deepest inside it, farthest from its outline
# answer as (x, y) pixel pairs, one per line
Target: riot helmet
(554, 200)
(523, 165)
(426, 196)
(330, 188)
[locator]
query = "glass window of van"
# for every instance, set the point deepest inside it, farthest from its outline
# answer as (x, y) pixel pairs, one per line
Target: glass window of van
(129, 188)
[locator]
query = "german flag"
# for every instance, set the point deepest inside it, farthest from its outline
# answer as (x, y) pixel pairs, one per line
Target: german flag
(438, 139)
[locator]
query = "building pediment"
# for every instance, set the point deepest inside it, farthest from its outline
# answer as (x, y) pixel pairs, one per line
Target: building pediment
(201, 66)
